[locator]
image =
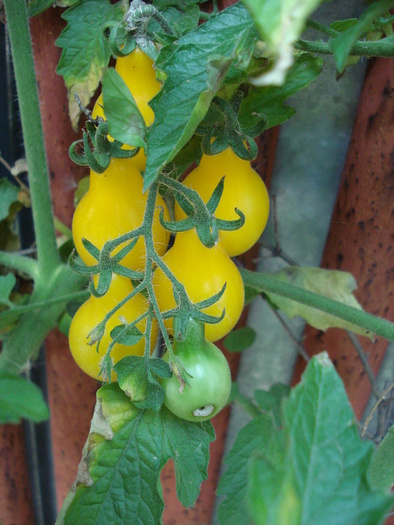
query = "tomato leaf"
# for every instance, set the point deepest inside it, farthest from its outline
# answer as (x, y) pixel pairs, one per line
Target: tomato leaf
(335, 284)
(238, 340)
(130, 336)
(381, 469)
(183, 18)
(119, 475)
(323, 438)
(8, 195)
(19, 399)
(271, 401)
(270, 99)
(85, 52)
(136, 377)
(35, 7)
(125, 121)
(343, 43)
(194, 73)
(280, 23)
(255, 436)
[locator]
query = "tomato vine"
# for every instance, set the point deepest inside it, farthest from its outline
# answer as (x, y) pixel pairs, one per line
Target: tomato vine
(205, 102)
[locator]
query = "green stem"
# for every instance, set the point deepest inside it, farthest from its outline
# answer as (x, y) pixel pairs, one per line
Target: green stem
(40, 305)
(62, 228)
(267, 283)
(322, 28)
(19, 263)
(22, 54)
(381, 48)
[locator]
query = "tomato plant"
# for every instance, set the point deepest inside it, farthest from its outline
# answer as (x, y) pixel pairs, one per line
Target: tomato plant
(224, 79)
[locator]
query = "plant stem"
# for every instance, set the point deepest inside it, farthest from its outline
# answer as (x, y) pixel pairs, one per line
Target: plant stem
(300, 348)
(264, 282)
(322, 28)
(20, 263)
(22, 54)
(364, 360)
(62, 228)
(40, 305)
(381, 48)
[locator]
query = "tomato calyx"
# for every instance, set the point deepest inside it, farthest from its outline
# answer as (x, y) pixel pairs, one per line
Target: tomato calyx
(222, 128)
(98, 150)
(186, 310)
(106, 267)
(200, 215)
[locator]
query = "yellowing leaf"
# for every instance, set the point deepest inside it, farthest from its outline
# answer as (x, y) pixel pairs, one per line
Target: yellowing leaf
(334, 284)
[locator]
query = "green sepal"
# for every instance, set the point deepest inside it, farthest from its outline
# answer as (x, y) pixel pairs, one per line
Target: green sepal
(214, 199)
(98, 165)
(104, 282)
(78, 158)
(221, 129)
(187, 310)
(121, 41)
(91, 248)
(207, 226)
(183, 202)
(232, 225)
(82, 269)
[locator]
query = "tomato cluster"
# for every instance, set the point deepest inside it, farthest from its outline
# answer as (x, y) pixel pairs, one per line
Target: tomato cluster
(116, 205)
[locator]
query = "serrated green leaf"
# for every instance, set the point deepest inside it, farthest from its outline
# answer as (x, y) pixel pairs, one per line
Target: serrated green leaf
(326, 453)
(125, 121)
(35, 7)
(343, 43)
(322, 477)
(7, 283)
(85, 51)
(120, 470)
(381, 469)
(238, 340)
(271, 497)
(136, 378)
(330, 283)
(271, 401)
(280, 23)
(255, 436)
(160, 367)
(130, 336)
(19, 399)
(270, 100)
(8, 195)
(195, 66)
(183, 18)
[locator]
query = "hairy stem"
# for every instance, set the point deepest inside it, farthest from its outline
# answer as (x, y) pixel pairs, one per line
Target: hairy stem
(264, 282)
(381, 48)
(22, 54)
(20, 263)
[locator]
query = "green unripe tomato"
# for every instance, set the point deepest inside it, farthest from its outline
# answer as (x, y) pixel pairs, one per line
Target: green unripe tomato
(208, 375)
